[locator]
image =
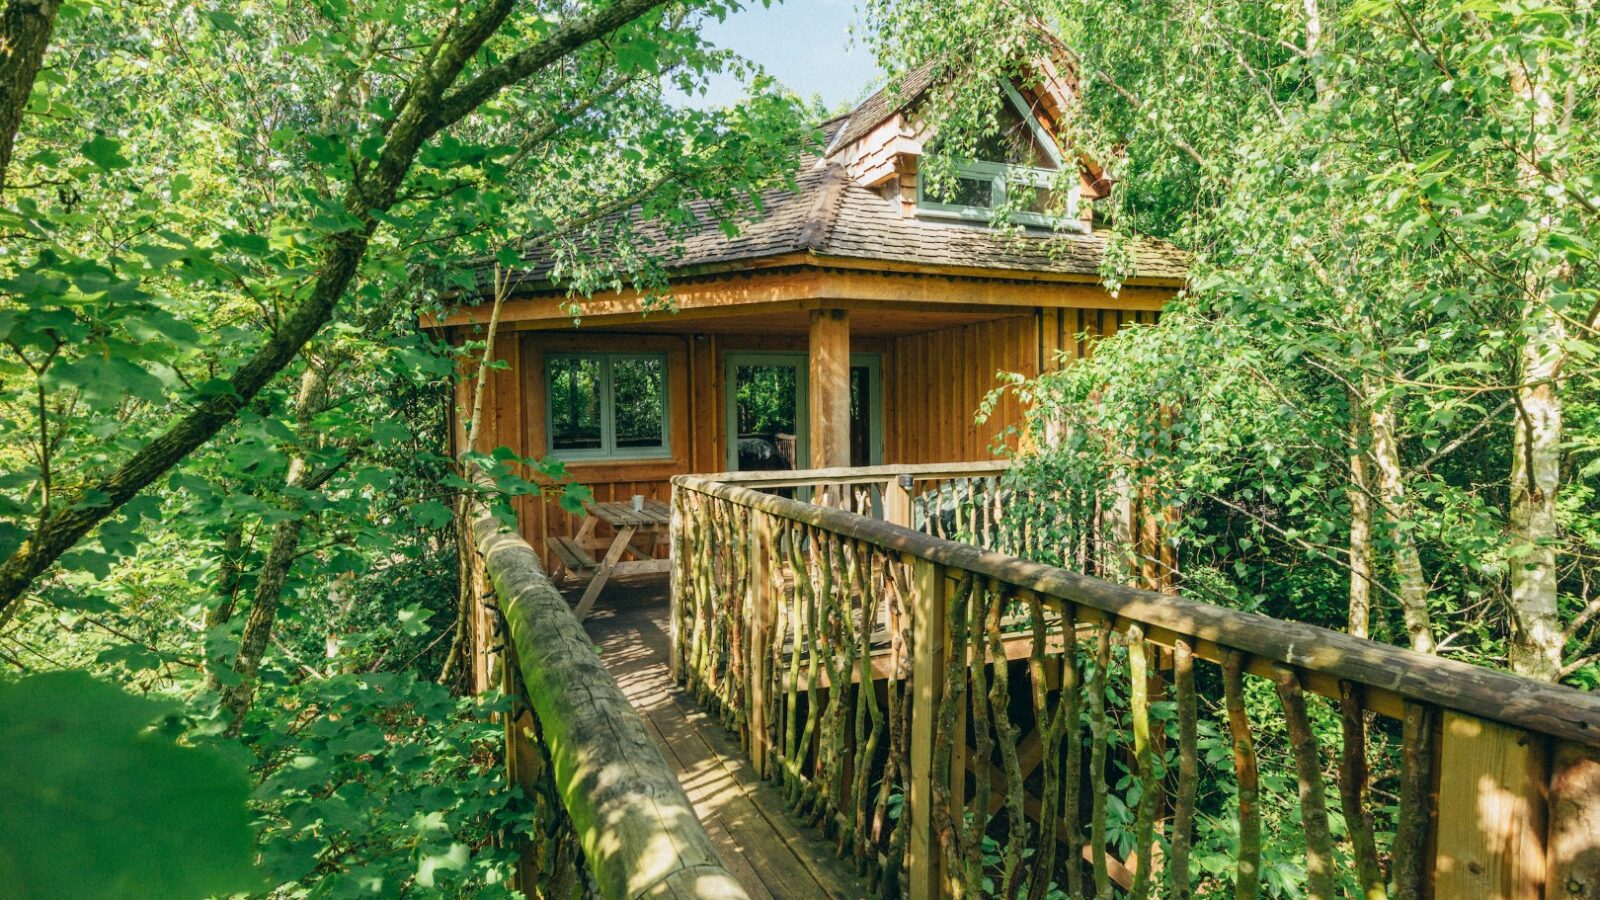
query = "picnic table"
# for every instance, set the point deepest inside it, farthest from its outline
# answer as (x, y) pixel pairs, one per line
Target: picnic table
(636, 533)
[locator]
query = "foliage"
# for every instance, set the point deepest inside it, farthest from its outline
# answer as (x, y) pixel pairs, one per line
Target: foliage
(383, 784)
(1372, 407)
(116, 805)
(226, 474)
(1391, 210)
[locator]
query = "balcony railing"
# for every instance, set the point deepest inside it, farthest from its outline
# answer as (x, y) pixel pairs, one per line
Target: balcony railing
(966, 722)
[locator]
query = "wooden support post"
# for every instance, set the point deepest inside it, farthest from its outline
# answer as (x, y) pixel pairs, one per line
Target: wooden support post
(1491, 826)
(829, 388)
(927, 609)
(897, 501)
(1574, 837)
(763, 606)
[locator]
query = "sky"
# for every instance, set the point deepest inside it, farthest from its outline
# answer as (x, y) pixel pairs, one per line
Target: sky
(805, 44)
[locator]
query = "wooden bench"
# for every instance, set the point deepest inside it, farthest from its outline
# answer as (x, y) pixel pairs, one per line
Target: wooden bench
(572, 558)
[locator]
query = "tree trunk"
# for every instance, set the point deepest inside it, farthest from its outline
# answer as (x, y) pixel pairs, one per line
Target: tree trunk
(229, 573)
(1360, 494)
(1537, 641)
(432, 102)
(236, 700)
(1392, 496)
(25, 27)
(281, 555)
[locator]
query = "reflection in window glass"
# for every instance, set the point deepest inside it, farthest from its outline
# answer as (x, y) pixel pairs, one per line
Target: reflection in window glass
(1029, 198)
(860, 416)
(638, 390)
(766, 400)
(607, 404)
(575, 403)
(977, 193)
(766, 416)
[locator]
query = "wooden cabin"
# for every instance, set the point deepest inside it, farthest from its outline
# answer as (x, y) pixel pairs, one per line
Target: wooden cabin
(860, 320)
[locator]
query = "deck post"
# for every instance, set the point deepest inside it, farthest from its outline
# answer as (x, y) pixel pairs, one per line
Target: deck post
(897, 501)
(927, 609)
(829, 388)
(1491, 827)
(1574, 837)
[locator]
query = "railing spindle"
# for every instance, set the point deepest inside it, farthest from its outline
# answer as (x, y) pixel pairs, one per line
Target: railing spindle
(1144, 756)
(1051, 726)
(1308, 769)
(1410, 852)
(1353, 790)
(1188, 770)
(1247, 881)
(1099, 737)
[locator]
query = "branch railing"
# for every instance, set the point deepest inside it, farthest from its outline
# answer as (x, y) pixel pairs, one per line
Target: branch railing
(613, 819)
(965, 722)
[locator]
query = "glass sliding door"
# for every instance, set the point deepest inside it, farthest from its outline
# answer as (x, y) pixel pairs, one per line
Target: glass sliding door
(866, 410)
(767, 417)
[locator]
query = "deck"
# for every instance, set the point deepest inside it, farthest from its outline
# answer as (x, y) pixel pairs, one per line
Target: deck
(759, 843)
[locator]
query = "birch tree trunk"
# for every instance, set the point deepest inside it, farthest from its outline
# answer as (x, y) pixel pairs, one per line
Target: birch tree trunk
(1391, 491)
(1536, 636)
(1360, 494)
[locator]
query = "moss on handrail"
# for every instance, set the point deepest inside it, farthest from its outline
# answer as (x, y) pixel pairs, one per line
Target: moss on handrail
(638, 830)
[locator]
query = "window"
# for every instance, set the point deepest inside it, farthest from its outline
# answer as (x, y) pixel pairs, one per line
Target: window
(607, 405)
(1017, 170)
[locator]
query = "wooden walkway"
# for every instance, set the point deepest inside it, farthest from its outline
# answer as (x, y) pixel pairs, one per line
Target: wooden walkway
(755, 836)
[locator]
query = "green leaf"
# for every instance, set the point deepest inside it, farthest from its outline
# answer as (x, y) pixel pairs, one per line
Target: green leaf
(99, 804)
(105, 153)
(414, 620)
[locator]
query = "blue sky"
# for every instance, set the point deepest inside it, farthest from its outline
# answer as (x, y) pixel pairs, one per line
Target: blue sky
(806, 44)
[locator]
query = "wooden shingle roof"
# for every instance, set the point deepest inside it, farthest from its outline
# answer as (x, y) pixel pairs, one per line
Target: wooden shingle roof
(827, 215)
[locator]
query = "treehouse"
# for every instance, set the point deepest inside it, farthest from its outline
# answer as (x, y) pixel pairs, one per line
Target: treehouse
(862, 681)
(860, 320)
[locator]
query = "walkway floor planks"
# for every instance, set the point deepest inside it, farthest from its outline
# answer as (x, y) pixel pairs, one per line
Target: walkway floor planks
(759, 843)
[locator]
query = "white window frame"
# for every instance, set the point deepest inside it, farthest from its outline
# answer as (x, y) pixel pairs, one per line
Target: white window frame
(608, 449)
(998, 174)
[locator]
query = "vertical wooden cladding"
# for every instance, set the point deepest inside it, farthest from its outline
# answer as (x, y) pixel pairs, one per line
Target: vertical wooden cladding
(937, 380)
(933, 385)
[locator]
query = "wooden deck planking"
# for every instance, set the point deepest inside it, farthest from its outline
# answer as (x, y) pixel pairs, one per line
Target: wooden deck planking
(746, 818)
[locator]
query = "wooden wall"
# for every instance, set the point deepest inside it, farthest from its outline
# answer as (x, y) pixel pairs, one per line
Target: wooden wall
(936, 381)
(933, 382)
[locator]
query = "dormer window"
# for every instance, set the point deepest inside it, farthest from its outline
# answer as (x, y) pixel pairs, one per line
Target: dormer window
(1017, 169)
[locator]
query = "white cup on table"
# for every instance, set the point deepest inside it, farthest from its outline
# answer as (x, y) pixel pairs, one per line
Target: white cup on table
(638, 503)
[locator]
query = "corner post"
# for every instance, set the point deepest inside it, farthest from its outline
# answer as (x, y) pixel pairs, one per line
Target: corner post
(897, 501)
(1491, 825)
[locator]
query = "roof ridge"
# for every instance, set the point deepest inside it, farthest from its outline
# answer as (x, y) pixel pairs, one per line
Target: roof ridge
(824, 210)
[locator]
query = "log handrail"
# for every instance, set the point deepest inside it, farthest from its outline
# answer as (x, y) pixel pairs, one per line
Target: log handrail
(637, 828)
(1562, 712)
